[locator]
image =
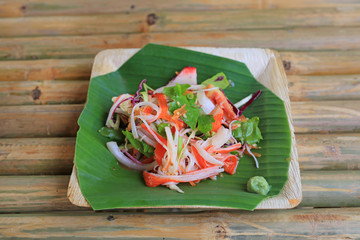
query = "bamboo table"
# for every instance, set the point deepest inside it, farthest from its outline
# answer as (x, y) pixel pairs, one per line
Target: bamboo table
(46, 53)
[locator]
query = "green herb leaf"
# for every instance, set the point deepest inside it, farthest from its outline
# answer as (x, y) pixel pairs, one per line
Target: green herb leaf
(141, 146)
(177, 90)
(205, 123)
(192, 116)
(219, 80)
(161, 128)
(248, 132)
(112, 134)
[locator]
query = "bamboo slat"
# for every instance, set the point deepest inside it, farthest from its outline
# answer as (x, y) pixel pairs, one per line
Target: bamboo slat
(48, 156)
(292, 224)
(178, 21)
(39, 121)
(326, 116)
(48, 193)
(43, 92)
(48, 69)
(301, 88)
(328, 151)
(320, 88)
(36, 156)
(295, 63)
(299, 39)
(20, 8)
(60, 120)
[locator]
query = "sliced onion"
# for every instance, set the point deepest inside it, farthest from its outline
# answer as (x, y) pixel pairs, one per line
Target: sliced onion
(171, 144)
(114, 149)
(132, 116)
(192, 164)
(153, 134)
(122, 98)
(205, 90)
(174, 187)
(150, 118)
(255, 159)
(207, 156)
(146, 138)
(205, 103)
(221, 137)
(243, 101)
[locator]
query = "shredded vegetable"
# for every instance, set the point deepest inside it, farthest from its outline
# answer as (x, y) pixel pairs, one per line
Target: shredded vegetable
(183, 132)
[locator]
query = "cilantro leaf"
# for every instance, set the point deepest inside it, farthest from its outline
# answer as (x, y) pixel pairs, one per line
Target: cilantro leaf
(178, 89)
(192, 116)
(205, 123)
(219, 80)
(248, 132)
(141, 146)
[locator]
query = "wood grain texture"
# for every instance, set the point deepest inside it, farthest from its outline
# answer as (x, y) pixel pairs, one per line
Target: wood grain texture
(290, 224)
(34, 193)
(49, 69)
(48, 193)
(42, 92)
(36, 156)
(301, 88)
(299, 39)
(309, 117)
(179, 21)
(326, 116)
(328, 87)
(21, 8)
(328, 151)
(48, 156)
(296, 63)
(39, 121)
(321, 63)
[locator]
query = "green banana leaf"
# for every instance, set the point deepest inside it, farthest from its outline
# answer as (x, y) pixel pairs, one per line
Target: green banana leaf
(108, 185)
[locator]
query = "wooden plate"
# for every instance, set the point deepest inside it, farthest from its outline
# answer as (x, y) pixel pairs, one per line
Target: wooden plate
(265, 65)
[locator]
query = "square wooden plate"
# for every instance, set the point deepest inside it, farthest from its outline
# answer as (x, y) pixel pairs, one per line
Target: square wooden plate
(265, 65)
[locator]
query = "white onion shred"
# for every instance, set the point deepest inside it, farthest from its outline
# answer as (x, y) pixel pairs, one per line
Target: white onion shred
(146, 138)
(113, 108)
(153, 134)
(221, 137)
(132, 116)
(205, 90)
(114, 149)
(173, 186)
(150, 118)
(205, 103)
(172, 147)
(255, 159)
(207, 156)
(243, 101)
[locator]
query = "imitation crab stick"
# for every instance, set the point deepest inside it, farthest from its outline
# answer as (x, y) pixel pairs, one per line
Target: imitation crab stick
(230, 164)
(153, 179)
(149, 130)
(218, 117)
(229, 149)
(201, 161)
(219, 99)
(164, 111)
